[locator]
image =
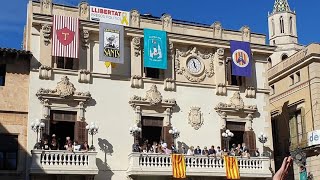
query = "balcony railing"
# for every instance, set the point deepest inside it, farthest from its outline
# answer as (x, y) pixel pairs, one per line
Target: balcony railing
(63, 162)
(161, 165)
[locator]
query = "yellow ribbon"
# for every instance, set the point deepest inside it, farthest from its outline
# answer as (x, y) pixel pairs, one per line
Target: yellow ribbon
(107, 64)
(124, 18)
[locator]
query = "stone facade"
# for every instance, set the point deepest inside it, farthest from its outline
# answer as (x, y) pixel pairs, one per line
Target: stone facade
(294, 89)
(119, 97)
(14, 105)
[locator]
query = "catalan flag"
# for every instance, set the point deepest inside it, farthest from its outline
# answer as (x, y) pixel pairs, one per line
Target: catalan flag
(178, 166)
(232, 168)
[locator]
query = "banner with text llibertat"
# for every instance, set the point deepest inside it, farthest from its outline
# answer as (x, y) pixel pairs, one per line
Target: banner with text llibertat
(155, 49)
(111, 43)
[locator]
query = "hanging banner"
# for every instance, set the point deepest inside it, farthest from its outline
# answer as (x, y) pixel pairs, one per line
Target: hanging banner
(314, 138)
(111, 41)
(241, 58)
(110, 16)
(155, 49)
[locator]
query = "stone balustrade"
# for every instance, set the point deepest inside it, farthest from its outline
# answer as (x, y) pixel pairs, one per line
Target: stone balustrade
(63, 162)
(161, 165)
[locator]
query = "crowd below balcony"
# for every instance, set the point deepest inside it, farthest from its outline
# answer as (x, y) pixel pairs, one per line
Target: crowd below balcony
(162, 148)
(46, 143)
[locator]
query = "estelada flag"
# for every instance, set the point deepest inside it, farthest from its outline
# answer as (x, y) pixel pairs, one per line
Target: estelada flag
(232, 168)
(65, 37)
(241, 58)
(178, 166)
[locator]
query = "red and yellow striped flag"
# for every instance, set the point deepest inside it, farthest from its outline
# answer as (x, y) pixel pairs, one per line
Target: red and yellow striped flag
(178, 166)
(232, 168)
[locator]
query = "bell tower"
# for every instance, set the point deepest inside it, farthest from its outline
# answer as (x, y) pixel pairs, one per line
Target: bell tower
(282, 31)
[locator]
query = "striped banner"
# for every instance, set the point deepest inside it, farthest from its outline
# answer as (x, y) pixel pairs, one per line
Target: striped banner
(65, 40)
(232, 168)
(178, 166)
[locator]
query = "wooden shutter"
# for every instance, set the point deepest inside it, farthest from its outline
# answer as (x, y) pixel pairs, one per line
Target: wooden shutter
(304, 130)
(249, 138)
(293, 132)
(167, 137)
(70, 116)
(223, 143)
(80, 132)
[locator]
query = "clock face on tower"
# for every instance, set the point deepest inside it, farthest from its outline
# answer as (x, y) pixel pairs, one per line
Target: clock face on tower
(194, 65)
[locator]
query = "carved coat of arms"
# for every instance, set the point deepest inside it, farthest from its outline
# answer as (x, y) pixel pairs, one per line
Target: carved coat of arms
(195, 118)
(65, 88)
(153, 95)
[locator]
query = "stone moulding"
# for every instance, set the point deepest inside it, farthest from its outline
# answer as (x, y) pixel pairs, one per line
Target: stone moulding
(136, 81)
(64, 90)
(84, 76)
(221, 89)
(152, 98)
(250, 92)
(169, 84)
(236, 104)
(46, 31)
(45, 72)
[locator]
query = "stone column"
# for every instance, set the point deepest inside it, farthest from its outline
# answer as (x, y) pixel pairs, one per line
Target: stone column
(167, 118)
(220, 72)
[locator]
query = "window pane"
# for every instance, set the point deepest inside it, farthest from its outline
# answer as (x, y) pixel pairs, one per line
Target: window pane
(1, 160)
(60, 62)
(11, 160)
(69, 63)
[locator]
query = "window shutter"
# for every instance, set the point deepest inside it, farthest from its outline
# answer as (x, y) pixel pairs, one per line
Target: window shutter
(304, 130)
(47, 126)
(249, 138)
(293, 132)
(167, 137)
(223, 143)
(81, 133)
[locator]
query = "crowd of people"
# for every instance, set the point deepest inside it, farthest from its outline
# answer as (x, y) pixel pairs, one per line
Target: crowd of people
(52, 143)
(163, 148)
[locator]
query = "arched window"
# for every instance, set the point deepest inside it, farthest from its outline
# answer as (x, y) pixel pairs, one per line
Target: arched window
(269, 63)
(281, 25)
(290, 25)
(272, 26)
(284, 56)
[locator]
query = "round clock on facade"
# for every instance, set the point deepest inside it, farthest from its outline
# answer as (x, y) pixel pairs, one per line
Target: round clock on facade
(194, 65)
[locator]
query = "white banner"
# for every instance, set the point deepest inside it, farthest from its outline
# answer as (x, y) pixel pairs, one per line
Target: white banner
(314, 138)
(110, 16)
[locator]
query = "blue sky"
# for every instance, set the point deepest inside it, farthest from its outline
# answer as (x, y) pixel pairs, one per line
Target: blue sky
(233, 15)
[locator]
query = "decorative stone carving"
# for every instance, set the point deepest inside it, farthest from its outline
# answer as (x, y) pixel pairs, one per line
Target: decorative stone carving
(237, 101)
(45, 72)
(217, 30)
(65, 89)
(46, 6)
(46, 32)
(181, 69)
(220, 53)
(84, 76)
(250, 92)
(81, 111)
(153, 97)
(246, 33)
(84, 10)
(137, 114)
(135, 18)
(195, 118)
(166, 22)
(236, 104)
(136, 81)
(221, 89)
(169, 84)
(46, 108)
(136, 46)
(85, 38)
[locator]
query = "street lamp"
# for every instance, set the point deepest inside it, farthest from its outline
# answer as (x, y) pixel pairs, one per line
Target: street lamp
(227, 135)
(37, 127)
(135, 131)
(175, 134)
(263, 139)
(92, 130)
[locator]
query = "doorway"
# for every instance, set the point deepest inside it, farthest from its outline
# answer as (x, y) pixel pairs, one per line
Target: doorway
(237, 138)
(151, 129)
(62, 129)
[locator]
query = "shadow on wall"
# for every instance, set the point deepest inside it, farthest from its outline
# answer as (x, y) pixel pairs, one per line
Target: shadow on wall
(105, 172)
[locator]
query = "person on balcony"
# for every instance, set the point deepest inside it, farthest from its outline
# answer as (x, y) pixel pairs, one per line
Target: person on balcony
(45, 145)
(69, 146)
(218, 152)
(54, 144)
(257, 153)
(212, 151)
(76, 146)
(205, 151)
(155, 147)
(197, 151)
(166, 149)
(245, 154)
(135, 147)
(244, 147)
(190, 151)
(183, 149)
(85, 146)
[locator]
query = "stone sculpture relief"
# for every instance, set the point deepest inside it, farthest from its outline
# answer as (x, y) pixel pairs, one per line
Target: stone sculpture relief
(45, 72)
(85, 38)
(217, 30)
(195, 118)
(46, 6)
(84, 10)
(46, 31)
(236, 103)
(180, 68)
(166, 22)
(246, 33)
(136, 81)
(135, 18)
(136, 46)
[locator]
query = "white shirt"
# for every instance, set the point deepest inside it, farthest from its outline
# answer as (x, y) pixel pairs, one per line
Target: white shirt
(190, 152)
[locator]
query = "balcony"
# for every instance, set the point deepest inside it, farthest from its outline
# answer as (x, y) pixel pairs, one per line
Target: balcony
(160, 165)
(63, 162)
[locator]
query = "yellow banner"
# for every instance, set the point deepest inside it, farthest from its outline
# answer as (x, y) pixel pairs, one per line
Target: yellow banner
(178, 166)
(232, 168)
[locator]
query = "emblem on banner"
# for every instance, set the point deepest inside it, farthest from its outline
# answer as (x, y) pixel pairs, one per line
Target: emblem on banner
(65, 36)
(155, 49)
(111, 43)
(240, 58)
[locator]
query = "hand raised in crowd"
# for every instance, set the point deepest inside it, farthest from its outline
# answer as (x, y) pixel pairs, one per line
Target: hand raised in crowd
(282, 173)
